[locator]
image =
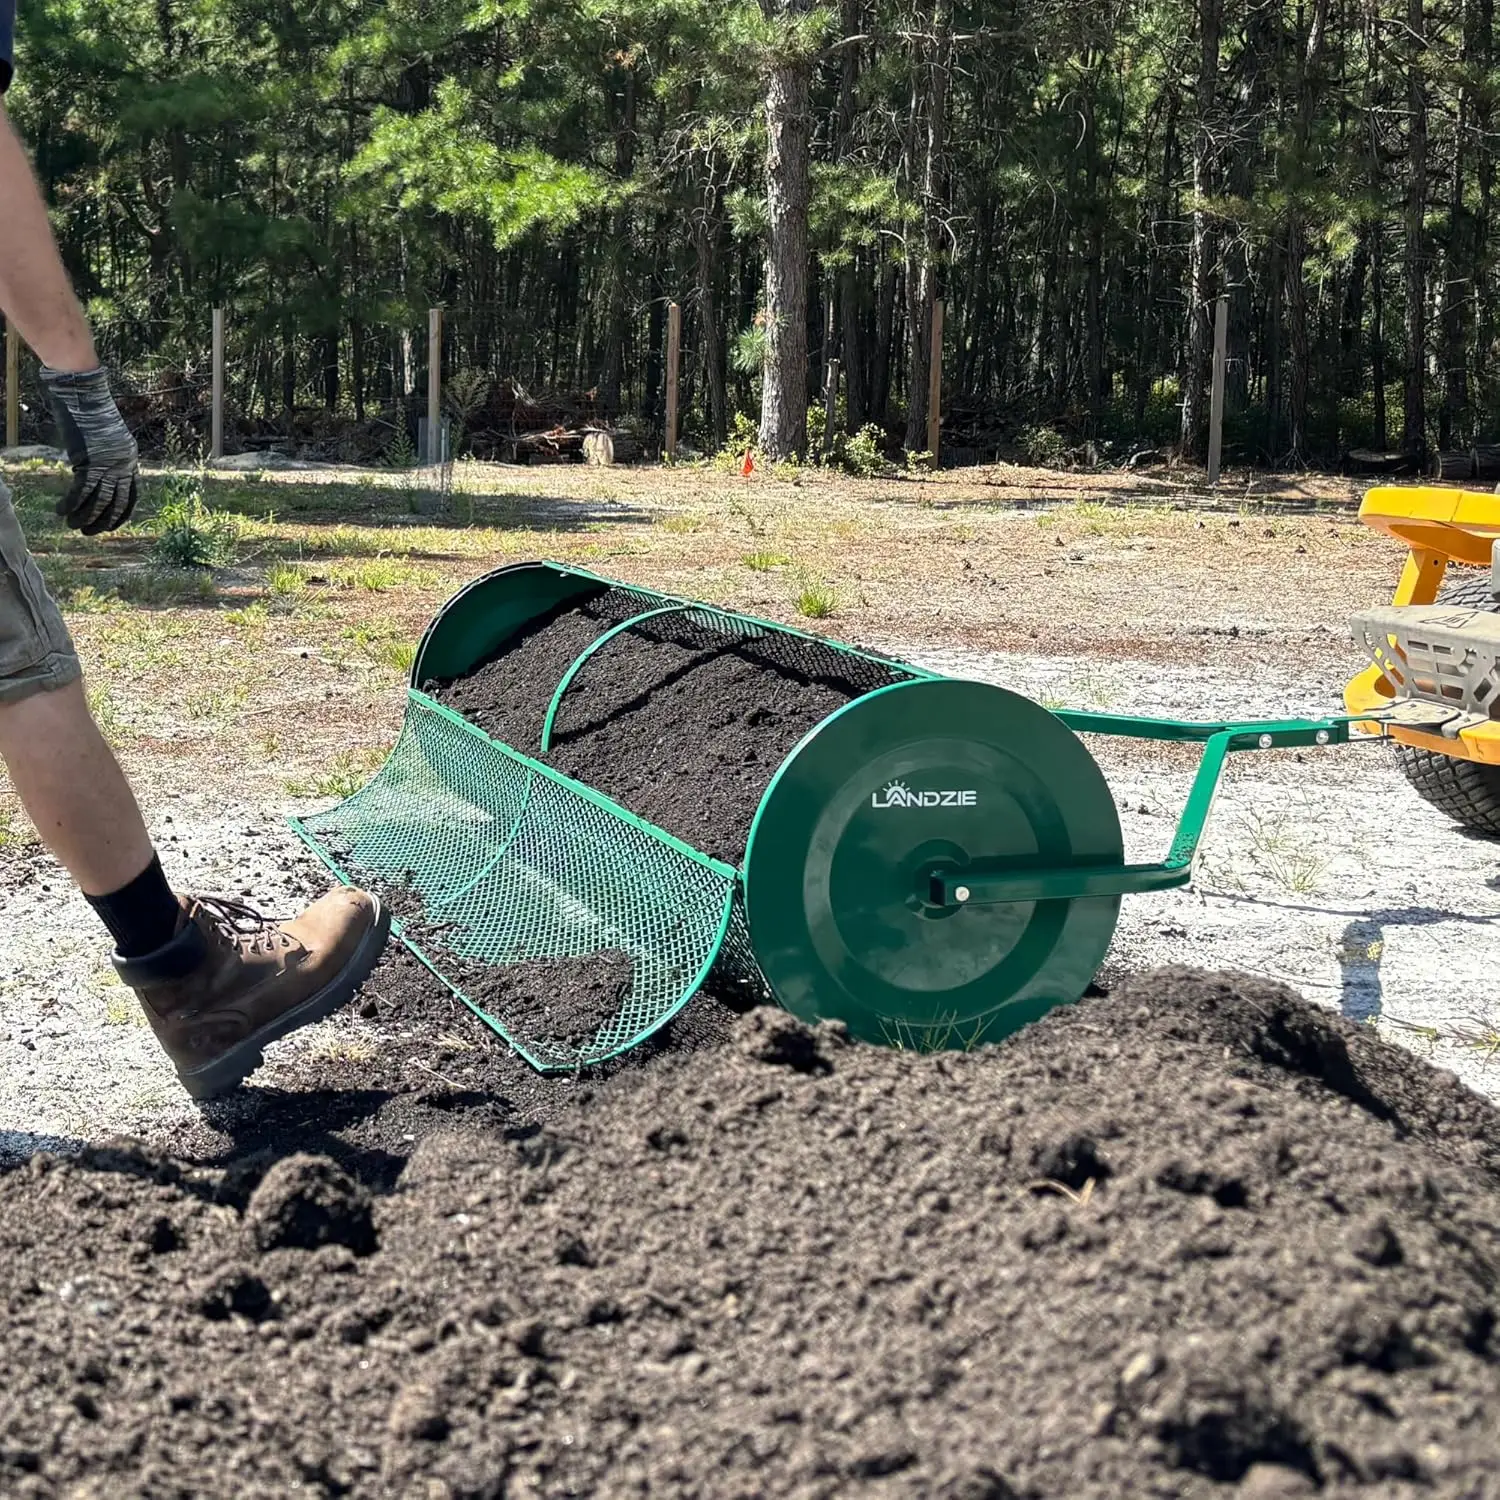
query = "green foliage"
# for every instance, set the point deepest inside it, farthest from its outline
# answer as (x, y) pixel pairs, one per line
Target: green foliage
(744, 432)
(285, 581)
(1043, 446)
(750, 347)
(328, 172)
(188, 533)
(401, 452)
(863, 454)
(445, 160)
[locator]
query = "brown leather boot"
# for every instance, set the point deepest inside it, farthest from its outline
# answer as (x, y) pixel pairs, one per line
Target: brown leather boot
(232, 981)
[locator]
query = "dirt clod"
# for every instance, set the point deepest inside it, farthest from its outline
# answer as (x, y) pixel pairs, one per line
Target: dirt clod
(305, 1202)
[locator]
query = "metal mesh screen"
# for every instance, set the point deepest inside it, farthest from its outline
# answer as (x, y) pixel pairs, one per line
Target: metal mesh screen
(491, 860)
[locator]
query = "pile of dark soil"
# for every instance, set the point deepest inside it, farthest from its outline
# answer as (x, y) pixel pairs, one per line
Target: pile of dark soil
(680, 724)
(1196, 1239)
(427, 1063)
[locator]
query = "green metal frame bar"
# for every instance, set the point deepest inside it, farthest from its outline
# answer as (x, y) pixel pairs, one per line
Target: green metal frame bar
(588, 651)
(463, 603)
(774, 626)
(995, 884)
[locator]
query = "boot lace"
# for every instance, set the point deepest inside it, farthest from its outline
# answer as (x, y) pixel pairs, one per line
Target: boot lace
(242, 925)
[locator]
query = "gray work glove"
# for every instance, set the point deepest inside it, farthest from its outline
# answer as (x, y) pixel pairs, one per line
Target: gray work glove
(100, 448)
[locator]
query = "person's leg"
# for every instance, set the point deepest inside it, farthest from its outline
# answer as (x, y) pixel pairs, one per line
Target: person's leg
(217, 980)
(73, 789)
(68, 781)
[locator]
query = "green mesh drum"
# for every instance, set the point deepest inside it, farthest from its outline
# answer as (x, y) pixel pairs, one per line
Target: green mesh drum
(936, 863)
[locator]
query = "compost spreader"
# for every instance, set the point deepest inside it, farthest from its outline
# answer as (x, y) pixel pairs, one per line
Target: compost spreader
(934, 862)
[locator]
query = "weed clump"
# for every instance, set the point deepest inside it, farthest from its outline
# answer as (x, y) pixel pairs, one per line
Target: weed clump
(188, 533)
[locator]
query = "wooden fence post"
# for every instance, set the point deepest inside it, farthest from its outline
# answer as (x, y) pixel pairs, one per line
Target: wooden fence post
(216, 421)
(935, 384)
(674, 365)
(1216, 399)
(12, 385)
(434, 453)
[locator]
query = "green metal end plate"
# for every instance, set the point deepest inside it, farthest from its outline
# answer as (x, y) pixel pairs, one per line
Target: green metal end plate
(917, 776)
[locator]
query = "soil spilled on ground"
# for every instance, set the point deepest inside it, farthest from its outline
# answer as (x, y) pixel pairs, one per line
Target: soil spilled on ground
(682, 724)
(1197, 1238)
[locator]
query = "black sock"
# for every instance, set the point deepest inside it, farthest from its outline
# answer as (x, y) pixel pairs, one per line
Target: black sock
(141, 916)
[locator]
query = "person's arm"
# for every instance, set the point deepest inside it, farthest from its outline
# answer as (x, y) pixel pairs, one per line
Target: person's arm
(34, 287)
(36, 294)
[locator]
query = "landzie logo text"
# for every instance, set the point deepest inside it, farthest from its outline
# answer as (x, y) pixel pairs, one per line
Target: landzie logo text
(898, 794)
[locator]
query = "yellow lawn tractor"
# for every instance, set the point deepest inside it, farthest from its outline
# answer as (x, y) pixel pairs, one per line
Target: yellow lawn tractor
(1434, 650)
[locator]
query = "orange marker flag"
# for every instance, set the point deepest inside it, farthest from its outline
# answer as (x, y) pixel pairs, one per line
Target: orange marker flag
(748, 467)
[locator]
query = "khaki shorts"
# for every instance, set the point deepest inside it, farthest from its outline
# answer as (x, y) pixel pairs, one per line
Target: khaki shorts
(36, 651)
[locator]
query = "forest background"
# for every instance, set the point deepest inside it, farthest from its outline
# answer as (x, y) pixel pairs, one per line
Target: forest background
(1079, 181)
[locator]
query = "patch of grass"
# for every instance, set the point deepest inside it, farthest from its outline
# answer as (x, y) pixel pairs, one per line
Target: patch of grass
(342, 1049)
(378, 575)
(250, 622)
(382, 642)
(15, 831)
(61, 574)
(285, 580)
(165, 586)
(344, 775)
(943, 1035)
(765, 562)
(142, 640)
(1297, 870)
(217, 702)
(399, 655)
(681, 525)
(106, 714)
(121, 1008)
(188, 533)
(1481, 1036)
(1430, 1035)
(1281, 848)
(356, 541)
(87, 600)
(816, 601)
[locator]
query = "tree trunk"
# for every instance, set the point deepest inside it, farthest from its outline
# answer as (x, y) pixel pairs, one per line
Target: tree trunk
(1379, 414)
(620, 257)
(1414, 413)
(330, 351)
(1482, 295)
(850, 302)
(710, 345)
(357, 367)
(288, 374)
(783, 414)
(1459, 266)
(922, 276)
(1298, 342)
(1200, 254)
(885, 319)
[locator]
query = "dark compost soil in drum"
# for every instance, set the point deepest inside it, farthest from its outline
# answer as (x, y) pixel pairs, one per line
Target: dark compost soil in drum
(683, 725)
(1193, 1239)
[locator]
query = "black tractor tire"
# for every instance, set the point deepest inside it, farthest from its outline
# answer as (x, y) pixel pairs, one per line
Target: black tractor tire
(1466, 791)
